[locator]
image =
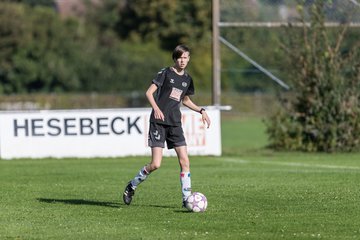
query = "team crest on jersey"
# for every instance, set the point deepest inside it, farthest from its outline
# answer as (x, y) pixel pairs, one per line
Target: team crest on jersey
(184, 84)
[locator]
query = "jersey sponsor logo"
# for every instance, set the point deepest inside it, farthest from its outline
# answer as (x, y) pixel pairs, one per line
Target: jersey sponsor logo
(184, 84)
(172, 80)
(176, 94)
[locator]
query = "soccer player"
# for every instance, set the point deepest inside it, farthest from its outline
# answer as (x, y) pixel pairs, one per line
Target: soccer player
(171, 87)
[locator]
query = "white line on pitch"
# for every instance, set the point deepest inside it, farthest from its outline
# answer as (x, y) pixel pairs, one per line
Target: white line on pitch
(291, 164)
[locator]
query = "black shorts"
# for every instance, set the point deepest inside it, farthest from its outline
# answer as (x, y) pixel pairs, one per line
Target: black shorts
(159, 133)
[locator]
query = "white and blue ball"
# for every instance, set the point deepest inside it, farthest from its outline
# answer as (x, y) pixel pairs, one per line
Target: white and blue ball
(196, 202)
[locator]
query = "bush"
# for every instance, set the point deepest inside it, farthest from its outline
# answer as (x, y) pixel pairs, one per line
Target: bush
(324, 112)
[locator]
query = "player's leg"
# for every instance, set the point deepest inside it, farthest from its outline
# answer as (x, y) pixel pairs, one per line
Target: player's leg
(143, 174)
(183, 158)
(157, 142)
(157, 135)
(176, 139)
(156, 157)
(185, 177)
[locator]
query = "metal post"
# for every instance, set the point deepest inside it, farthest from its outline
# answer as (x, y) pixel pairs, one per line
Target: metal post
(216, 81)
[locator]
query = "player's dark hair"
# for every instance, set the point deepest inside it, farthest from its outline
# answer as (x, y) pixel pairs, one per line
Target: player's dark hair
(179, 50)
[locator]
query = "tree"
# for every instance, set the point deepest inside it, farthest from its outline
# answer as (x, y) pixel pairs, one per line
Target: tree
(169, 22)
(153, 28)
(33, 3)
(41, 52)
(323, 113)
(37, 49)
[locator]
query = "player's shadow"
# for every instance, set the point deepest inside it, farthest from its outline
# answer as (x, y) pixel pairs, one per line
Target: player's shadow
(182, 211)
(103, 204)
(161, 206)
(176, 209)
(79, 202)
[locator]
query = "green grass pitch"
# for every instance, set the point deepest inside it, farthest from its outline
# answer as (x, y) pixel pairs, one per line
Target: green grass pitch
(253, 193)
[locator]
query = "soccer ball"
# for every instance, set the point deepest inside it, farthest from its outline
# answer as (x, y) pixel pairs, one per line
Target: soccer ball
(196, 202)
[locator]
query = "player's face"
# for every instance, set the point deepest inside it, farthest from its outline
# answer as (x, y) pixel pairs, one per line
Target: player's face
(182, 61)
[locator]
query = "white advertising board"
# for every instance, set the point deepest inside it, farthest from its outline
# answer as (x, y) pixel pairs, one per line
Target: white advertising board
(97, 133)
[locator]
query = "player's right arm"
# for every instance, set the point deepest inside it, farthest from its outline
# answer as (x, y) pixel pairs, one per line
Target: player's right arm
(158, 114)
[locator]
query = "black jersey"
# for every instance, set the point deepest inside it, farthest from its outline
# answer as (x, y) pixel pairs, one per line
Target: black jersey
(171, 91)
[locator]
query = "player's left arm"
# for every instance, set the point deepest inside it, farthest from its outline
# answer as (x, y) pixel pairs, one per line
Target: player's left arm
(190, 104)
